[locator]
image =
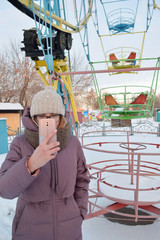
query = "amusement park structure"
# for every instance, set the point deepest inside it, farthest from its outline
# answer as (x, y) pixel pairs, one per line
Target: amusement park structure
(47, 44)
(125, 101)
(48, 41)
(125, 175)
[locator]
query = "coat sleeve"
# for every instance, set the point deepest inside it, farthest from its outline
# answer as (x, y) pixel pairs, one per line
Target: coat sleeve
(82, 182)
(14, 175)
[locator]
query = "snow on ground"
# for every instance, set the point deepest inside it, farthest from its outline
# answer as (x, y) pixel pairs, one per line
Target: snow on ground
(98, 228)
(7, 209)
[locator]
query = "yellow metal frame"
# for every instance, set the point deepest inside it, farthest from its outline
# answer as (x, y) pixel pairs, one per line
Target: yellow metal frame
(59, 66)
(39, 11)
(122, 65)
(155, 5)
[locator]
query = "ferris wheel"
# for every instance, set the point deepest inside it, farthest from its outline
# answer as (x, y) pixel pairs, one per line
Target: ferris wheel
(121, 21)
(54, 25)
(51, 37)
(55, 21)
(56, 12)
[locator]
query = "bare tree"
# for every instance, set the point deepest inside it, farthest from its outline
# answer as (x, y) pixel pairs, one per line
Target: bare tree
(18, 78)
(80, 83)
(91, 99)
(6, 93)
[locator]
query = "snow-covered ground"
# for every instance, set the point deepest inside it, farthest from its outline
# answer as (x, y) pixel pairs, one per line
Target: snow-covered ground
(98, 228)
(7, 208)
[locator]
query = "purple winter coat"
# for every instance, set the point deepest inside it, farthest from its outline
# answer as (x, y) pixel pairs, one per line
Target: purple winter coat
(51, 205)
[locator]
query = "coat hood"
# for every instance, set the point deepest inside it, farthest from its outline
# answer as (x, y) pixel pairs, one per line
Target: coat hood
(27, 120)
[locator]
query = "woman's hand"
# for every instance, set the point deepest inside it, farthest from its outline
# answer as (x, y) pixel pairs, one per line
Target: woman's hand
(43, 153)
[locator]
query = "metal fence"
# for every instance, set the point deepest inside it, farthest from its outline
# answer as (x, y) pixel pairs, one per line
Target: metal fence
(13, 133)
(99, 128)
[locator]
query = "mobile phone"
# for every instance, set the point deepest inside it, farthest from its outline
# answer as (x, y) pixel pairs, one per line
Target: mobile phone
(45, 127)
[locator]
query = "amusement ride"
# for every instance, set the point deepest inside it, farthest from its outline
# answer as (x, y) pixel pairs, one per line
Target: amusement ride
(47, 43)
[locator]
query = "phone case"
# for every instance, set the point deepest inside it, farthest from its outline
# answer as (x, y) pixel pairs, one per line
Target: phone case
(45, 127)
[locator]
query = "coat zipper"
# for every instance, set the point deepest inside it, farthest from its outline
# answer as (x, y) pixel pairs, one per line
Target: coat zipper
(53, 191)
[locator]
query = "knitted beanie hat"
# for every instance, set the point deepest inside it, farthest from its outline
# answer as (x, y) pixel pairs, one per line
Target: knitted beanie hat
(47, 101)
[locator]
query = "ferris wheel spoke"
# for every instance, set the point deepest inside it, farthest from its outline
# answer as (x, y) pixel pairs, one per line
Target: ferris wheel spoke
(53, 13)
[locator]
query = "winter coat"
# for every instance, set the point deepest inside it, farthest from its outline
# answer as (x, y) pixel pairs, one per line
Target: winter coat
(53, 204)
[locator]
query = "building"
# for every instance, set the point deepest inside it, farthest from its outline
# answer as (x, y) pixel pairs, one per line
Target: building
(12, 112)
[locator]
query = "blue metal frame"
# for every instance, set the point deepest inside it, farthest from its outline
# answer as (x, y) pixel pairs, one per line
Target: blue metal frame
(83, 34)
(120, 20)
(118, 23)
(58, 9)
(45, 29)
(95, 17)
(47, 33)
(149, 13)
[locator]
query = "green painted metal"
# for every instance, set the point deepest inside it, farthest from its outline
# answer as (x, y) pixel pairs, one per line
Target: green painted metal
(124, 95)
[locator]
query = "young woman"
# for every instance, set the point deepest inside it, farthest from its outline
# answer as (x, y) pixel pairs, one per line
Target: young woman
(50, 179)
